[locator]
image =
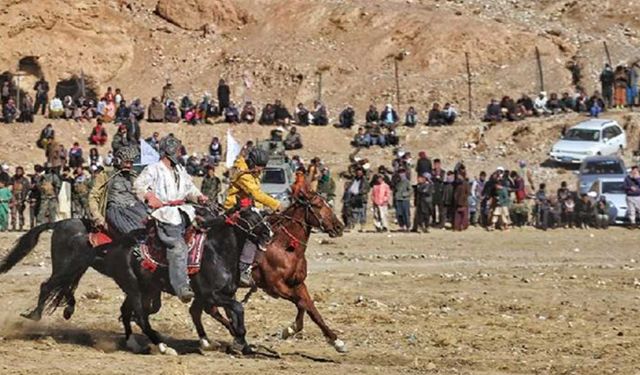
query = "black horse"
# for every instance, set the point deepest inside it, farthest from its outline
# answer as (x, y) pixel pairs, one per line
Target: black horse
(214, 285)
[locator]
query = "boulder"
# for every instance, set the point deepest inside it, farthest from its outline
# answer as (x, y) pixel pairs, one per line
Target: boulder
(195, 14)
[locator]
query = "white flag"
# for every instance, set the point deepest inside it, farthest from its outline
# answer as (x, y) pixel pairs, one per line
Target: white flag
(148, 155)
(233, 149)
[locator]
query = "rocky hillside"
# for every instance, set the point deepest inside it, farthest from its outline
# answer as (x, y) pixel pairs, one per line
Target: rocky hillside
(279, 47)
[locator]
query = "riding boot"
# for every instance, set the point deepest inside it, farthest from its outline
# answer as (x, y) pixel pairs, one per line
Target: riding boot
(246, 280)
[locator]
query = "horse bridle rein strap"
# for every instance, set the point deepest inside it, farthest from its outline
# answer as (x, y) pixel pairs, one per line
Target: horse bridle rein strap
(216, 208)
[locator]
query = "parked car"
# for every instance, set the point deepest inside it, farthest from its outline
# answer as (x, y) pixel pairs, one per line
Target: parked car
(595, 167)
(589, 138)
(277, 178)
(613, 189)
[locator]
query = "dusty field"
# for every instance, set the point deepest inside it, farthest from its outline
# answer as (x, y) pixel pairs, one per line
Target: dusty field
(483, 303)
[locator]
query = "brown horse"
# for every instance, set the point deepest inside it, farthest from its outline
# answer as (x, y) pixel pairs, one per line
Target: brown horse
(282, 269)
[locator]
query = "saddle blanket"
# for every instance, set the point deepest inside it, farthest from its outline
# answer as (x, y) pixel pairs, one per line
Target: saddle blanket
(156, 256)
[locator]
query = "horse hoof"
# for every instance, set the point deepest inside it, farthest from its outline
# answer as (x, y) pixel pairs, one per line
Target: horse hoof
(205, 345)
(248, 350)
(68, 312)
(31, 316)
(166, 350)
(287, 332)
(339, 346)
(133, 345)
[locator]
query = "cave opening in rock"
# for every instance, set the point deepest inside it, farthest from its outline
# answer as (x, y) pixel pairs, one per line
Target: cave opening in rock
(31, 66)
(73, 87)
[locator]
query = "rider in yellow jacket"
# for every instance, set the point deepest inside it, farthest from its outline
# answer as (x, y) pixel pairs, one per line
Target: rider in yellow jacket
(245, 189)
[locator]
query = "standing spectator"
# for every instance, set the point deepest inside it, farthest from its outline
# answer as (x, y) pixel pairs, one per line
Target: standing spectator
(75, 156)
(293, 140)
(347, 117)
(381, 198)
(327, 186)
(118, 97)
(632, 85)
(20, 187)
(42, 95)
(49, 187)
(5, 199)
(224, 95)
(476, 212)
(98, 135)
(211, 185)
(461, 194)
(501, 204)
(320, 114)
(606, 84)
(411, 117)
(438, 178)
(563, 194)
(448, 197)
(357, 198)
(632, 189)
(423, 203)
(423, 166)
(542, 208)
(402, 196)
(620, 87)
(5, 92)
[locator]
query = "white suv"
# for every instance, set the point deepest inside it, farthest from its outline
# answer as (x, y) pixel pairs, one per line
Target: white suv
(589, 138)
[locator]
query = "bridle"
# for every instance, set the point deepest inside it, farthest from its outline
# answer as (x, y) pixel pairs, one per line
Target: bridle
(233, 219)
(309, 209)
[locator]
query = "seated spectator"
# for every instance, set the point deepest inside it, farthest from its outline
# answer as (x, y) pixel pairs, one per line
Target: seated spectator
(123, 112)
(98, 135)
(376, 135)
(277, 134)
(302, 115)
(231, 114)
(595, 109)
(595, 104)
(601, 213)
(56, 108)
(388, 116)
(510, 110)
(46, 136)
(281, 113)
(525, 105)
(108, 160)
(293, 140)
(171, 113)
(213, 111)
(193, 165)
(540, 105)
(215, 151)
(191, 116)
(494, 112)
(320, 115)
(137, 109)
(435, 116)
(449, 113)
(118, 97)
(156, 111)
(567, 102)
(411, 117)
(361, 139)
(553, 104)
(121, 139)
(347, 117)
(268, 116)
(248, 113)
(581, 102)
(372, 115)
(26, 109)
(94, 158)
(69, 107)
(154, 141)
(75, 156)
(9, 111)
(185, 105)
(390, 137)
(584, 211)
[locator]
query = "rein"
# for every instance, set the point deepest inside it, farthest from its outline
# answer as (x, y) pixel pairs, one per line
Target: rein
(295, 242)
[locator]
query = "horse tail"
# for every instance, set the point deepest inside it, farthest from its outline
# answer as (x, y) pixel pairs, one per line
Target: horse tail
(24, 246)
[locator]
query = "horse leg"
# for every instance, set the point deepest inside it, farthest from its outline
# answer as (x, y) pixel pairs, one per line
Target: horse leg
(196, 310)
(36, 313)
(215, 314)
(296, 326)
(235, 311)
(71, 306)
(305, 303)
(126, 314)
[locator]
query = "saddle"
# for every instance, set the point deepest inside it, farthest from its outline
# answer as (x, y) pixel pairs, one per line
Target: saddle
(153, 254)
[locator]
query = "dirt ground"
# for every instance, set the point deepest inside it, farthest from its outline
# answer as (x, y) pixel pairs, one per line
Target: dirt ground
(520, 302)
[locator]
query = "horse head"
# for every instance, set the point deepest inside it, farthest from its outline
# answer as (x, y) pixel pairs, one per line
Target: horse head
(254, 225)
(319, 214)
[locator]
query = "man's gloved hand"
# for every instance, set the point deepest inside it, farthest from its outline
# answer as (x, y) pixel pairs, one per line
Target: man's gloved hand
(99, 223)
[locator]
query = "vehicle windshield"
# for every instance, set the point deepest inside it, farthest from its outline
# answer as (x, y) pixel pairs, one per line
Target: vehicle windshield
(273, 176)
(587, 135)
(602, 167)
(613, 187)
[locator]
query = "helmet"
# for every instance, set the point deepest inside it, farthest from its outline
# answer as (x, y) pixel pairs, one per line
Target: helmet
(257, 158)
(125, 154)
(170, 147)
